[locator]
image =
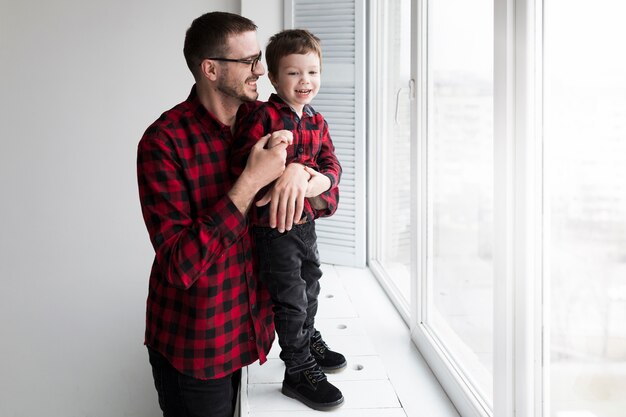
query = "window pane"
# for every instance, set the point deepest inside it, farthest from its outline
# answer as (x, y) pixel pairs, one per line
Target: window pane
(585, 136)
(461, 185)
(396, 159)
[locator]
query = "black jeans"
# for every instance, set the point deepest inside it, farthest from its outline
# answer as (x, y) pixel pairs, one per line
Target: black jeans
(290, 268)
(183, 396)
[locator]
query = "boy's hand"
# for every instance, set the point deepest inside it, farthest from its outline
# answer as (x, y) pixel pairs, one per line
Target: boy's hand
(280, 136)
(318, 183)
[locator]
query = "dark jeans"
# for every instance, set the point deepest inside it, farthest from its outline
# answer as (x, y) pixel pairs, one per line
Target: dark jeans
(183, 396)
(290, 268)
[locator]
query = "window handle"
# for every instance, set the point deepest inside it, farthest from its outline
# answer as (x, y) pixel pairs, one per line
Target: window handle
(411, 91)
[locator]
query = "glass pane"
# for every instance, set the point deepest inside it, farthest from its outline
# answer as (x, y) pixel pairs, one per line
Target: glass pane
(396, 169)
(585, 137)
(461, 185)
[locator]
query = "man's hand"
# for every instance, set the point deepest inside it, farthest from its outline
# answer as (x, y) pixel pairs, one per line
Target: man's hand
(263, 167)
(286, 197)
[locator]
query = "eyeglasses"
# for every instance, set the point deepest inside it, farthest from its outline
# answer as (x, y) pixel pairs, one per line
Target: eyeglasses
(248, 61)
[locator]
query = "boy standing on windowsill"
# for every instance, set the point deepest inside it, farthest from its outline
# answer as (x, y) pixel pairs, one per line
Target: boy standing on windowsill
(289, 260)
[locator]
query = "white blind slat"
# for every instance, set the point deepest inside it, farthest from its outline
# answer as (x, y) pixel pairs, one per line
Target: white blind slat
(341, 238)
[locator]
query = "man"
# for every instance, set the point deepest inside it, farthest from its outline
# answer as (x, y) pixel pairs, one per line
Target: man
(206, 314)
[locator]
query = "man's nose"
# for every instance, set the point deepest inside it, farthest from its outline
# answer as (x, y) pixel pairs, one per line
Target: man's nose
(259, 69)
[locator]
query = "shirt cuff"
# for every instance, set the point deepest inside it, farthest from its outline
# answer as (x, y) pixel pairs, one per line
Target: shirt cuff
(227, 218)
(333, 180)
(331, 197)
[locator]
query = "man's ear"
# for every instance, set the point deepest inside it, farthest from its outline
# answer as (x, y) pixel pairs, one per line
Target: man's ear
(208, 69)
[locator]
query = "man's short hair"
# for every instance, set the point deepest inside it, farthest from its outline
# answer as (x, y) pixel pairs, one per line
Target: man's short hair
(290, 41)
(208, 36)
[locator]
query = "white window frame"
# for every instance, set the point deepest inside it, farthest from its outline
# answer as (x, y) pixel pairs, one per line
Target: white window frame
(519, 354)
(375, 162)
(519, 341)
(461, 393)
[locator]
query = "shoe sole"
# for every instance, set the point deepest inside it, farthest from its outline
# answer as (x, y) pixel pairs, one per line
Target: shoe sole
(334, 369)
(316, 406)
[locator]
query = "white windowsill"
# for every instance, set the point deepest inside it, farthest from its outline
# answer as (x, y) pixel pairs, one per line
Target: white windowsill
(386, 375)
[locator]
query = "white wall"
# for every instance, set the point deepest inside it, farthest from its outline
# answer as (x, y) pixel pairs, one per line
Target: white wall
(268, 16)
(79, 83)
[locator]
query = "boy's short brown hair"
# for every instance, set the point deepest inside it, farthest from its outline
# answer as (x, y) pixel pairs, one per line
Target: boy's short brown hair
(290, 41)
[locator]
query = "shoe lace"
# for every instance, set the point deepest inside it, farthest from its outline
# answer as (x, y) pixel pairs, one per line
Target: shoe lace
(315, 374)
(320, 346)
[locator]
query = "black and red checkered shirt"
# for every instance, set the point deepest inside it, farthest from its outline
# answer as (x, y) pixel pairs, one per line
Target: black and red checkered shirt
(206, 312)
(311, 146)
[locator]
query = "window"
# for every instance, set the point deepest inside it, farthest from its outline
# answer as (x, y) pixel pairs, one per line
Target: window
(392, 152)
(455, 157)
(585, 136)
(516, 265)
(460, 171)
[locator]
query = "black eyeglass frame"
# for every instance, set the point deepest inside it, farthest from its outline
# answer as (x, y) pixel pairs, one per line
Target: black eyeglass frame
(249, 61)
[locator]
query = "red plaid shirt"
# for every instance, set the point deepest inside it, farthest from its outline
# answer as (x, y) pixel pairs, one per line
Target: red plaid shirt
(311, 146)
(206, 312)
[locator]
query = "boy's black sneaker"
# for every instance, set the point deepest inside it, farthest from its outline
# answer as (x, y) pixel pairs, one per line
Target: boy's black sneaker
(308, 384)
(328, 360)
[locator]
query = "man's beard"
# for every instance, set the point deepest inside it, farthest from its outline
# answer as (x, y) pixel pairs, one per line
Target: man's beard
(237, 90)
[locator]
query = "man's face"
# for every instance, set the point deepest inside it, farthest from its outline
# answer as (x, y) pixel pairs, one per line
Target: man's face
(236, 79)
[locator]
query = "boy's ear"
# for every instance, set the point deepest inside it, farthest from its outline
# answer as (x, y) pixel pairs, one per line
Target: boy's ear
(273, 79)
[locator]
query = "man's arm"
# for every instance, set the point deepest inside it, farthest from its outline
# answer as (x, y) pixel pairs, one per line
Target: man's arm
(262, 167)
(248, 128)
(187, 246)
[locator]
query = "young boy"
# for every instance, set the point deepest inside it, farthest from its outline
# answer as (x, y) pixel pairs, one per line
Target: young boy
(289, 260)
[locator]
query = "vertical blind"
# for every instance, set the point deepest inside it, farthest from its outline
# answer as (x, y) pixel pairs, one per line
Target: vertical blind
(339, 25)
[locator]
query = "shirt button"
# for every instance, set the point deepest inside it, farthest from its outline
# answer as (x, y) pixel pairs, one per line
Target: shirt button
(300, 149)
(253, 307)
(252, 338)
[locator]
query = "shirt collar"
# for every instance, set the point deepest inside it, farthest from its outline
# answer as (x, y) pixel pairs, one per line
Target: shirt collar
(280, 103)
(200, 112)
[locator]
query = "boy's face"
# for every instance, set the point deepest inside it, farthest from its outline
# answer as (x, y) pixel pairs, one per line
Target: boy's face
(298, 79)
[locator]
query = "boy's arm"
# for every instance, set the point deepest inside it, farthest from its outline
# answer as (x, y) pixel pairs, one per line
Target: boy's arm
(323, 189)
(318, 183)
(327, 160)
